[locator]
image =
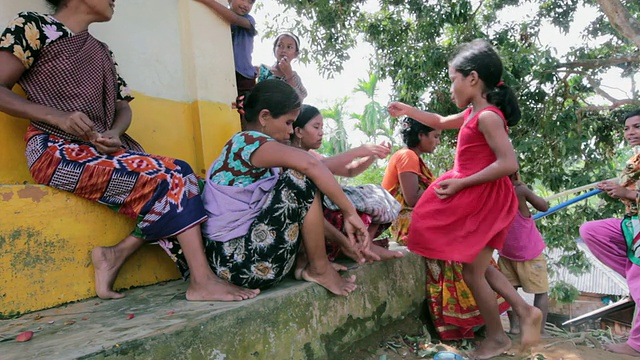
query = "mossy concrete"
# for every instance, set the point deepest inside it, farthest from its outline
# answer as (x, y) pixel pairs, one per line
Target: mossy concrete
(295, 320)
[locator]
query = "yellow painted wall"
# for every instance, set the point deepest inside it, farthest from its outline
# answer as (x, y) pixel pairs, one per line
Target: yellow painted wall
(179, 64)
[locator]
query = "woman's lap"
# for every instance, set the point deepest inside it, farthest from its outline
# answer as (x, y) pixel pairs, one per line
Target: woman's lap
(268, 251)
(161, 193)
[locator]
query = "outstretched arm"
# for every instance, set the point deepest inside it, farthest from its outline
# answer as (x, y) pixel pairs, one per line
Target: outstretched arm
(226, 14)
(536, 201)
(438, 122)
(353, 162)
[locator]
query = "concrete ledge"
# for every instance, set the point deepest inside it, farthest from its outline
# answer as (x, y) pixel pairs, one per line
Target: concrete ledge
(46, 237)
(295, 320)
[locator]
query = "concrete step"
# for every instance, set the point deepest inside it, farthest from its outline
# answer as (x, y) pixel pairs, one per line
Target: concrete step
(294, 320)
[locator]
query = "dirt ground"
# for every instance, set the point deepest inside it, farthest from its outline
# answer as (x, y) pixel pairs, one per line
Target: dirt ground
(406, 341)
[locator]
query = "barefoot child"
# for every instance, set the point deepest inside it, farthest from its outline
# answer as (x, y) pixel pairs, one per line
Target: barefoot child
(260, 215)
(521, 258)
(464, 215)
(243, 30)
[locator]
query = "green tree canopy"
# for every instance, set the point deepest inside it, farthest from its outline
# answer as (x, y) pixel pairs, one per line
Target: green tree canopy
(570, 133)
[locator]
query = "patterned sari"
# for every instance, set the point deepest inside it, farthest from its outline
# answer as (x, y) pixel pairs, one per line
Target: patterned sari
(76, 72)
(452, 307)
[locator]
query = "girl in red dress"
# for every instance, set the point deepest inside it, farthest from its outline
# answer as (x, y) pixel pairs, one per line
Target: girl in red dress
(464, 215)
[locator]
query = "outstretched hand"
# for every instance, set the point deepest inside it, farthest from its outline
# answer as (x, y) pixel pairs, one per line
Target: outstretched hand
(615, 190)
(397, 109)
(449, 187)
(379, 151)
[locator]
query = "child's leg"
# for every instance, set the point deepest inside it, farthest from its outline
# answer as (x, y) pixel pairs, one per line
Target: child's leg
(319, 268)
(514, 321)
(496, 341)
(541, 301)
(107, 261)
(203, 283)
(530, 317)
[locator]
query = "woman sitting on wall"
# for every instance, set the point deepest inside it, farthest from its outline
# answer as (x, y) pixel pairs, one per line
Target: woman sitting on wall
(374, 204)
(263, 201)
(79, 110)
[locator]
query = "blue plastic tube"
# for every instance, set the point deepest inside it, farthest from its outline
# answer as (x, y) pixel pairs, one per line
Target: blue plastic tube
(567, 203)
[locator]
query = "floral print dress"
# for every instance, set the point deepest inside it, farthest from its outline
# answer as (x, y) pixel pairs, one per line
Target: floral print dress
(267, 252)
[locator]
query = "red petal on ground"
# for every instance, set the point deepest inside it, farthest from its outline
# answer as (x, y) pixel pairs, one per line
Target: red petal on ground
(130, 316)
(25, 336)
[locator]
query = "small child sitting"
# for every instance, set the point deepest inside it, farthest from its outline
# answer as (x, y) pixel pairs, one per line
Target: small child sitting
(521, 258)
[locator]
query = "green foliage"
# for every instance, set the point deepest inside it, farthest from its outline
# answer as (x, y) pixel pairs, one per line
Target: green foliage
(564, 139)
(564, 292)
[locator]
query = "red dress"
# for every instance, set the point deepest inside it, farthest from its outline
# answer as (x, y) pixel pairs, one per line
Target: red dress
(459, 227)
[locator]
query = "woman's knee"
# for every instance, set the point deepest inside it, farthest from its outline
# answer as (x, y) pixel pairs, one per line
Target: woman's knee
(589, 231)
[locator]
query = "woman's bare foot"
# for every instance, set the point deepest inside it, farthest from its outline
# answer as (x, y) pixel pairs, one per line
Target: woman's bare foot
(106, 264)
(330, 280)
(530, 327)
(622, 348)
(490, 348)
(385, 254)
(214, 288)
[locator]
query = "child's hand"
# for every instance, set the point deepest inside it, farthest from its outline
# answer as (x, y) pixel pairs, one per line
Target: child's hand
(285, 66)
(448, 188)
(397, 109)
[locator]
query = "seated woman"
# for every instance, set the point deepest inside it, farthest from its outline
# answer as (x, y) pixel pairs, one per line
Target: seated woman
(79, 110)
(615, 241)
(307, 135)
(452, 308)
(286, 48)
(259, 216)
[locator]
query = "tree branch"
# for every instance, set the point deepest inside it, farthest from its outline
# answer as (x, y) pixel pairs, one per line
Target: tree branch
(596, 87)
(598, 63)
(621, 20)
(615, 105)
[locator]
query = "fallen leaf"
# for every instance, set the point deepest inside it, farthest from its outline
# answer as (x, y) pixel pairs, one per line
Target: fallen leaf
(85, 318)
(50, 322)
(25, 336)
(37, 317)
(170, 313)
(70, 322)
(130, 316)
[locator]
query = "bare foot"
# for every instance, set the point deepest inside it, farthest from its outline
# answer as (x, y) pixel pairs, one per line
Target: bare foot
(385, 254)
(622, 348)
(301, 263)
(530, 327)
(338, 267)
(330, 280)
(490, 348)
(106, 265)
(215, 288)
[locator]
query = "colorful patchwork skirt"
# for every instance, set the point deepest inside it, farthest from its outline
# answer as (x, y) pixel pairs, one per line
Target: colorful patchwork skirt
(161, 193)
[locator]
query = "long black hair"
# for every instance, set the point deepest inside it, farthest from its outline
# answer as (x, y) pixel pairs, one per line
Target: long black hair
(411, 130)
(274, 95)
(479, 56)
(55, 4)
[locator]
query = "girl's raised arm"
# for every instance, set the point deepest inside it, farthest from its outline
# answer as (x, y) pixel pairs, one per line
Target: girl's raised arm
(227, 14)
(436, 121)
